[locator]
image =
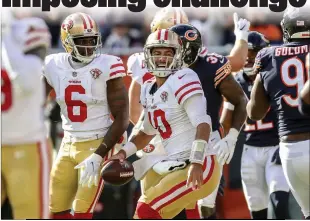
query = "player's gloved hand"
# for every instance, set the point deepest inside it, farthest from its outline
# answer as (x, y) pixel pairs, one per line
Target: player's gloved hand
(90, 170)
(194, 176)
(276, 158)
(121, 156)
(242, 27)
(225, 147)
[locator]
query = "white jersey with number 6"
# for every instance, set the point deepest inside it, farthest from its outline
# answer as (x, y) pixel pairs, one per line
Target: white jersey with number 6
(82, 93)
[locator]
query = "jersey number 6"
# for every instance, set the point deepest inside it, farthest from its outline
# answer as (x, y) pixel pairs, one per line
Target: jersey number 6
(81, 117)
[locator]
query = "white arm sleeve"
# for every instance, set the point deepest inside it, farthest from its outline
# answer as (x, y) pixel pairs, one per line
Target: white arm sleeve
(196, 109)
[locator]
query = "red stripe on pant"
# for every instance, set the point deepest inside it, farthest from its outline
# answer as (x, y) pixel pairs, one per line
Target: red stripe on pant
(181, 185)
(82, 216)
(96, 196)
(173, 188)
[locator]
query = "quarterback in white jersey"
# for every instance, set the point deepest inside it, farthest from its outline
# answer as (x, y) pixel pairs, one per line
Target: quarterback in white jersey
(175, 107)
(137, 69)
(89, 90)
(26, 151)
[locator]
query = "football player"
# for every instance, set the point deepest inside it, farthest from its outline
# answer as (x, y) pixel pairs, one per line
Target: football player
(26, 152)
(261, 171)
(166, 18)
(281, 74)
(175, 108)
(304, 101)
(214, 72)
(89, 88)
(137, 69)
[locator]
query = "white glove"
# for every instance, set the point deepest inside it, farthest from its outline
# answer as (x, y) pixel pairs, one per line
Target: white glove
(90, 170)
(242, 27)
(225, 147)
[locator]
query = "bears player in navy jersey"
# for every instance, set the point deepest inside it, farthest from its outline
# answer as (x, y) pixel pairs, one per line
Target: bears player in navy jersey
(261, 171)
(304, 101)
(281, 75)
(214, 72)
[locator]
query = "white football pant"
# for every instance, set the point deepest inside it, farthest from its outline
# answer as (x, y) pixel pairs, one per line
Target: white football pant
(260, 177)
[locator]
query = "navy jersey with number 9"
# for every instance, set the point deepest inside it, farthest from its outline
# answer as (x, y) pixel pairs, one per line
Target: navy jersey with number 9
(283, 74)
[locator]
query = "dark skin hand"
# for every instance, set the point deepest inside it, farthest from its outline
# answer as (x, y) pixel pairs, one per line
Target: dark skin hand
(234, 94)
(141, 139)
(118, 104)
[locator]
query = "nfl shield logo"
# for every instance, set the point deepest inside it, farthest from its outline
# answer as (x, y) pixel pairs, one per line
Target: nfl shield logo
(95, 73)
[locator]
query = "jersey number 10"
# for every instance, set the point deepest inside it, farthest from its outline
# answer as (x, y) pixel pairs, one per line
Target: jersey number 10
(160, 115)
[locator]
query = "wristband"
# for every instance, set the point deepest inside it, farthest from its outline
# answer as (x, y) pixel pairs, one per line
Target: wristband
(242, 35)
(130, 149)
(198, 151)
(233, 133)
(229, 106)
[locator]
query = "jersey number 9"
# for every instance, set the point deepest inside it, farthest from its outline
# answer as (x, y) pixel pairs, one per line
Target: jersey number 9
(298, 80)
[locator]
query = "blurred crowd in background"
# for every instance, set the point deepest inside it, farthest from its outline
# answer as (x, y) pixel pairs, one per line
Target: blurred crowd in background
(123, 33)
(122, 29)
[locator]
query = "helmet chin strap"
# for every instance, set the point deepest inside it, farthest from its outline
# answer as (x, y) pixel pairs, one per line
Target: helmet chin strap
(76, 59)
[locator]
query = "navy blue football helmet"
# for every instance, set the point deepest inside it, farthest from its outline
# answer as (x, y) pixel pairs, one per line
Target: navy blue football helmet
(296, 24)
(256, 42)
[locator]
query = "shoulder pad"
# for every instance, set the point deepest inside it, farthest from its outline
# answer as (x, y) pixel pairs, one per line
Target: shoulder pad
(185, 83)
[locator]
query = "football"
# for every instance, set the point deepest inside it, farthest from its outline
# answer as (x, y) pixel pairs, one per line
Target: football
(116, 173)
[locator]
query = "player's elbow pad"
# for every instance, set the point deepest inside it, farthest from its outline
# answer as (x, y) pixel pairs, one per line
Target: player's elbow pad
(196, 109)
(303, 107)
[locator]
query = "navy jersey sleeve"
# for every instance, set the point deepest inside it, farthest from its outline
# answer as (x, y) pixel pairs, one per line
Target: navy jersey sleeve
(219, 65)
(263, 66)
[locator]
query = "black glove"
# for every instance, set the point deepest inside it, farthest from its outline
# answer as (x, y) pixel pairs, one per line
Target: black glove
(276, 158)
(222, 186)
